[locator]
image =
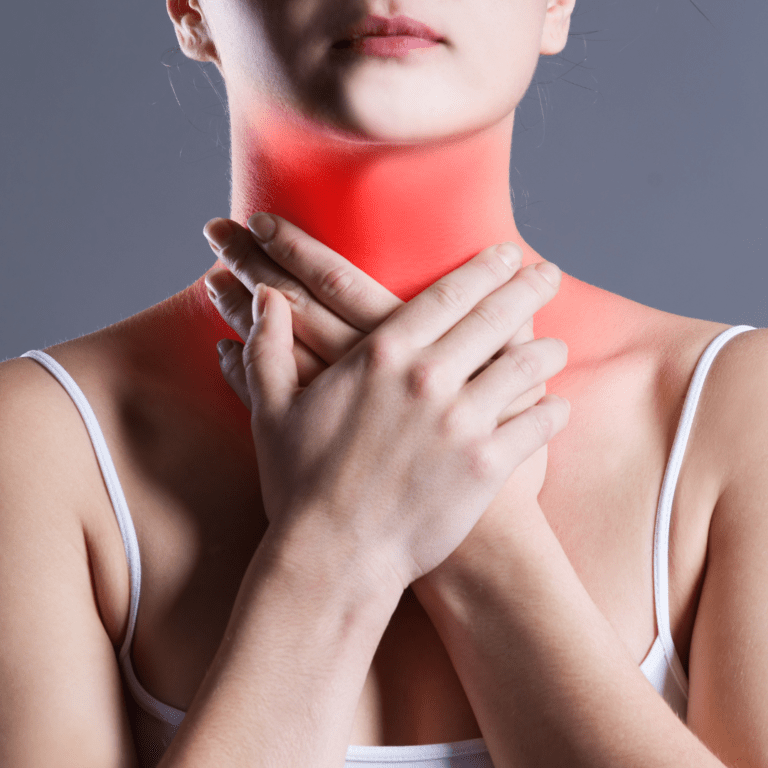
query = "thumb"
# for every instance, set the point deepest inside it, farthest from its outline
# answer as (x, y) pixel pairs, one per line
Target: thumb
(270, 367)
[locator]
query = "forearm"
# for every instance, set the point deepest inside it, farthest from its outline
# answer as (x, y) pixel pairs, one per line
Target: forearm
(285, 683)
(550, 682)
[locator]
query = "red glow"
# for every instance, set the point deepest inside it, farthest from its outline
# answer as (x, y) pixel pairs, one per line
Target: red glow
(405, 214)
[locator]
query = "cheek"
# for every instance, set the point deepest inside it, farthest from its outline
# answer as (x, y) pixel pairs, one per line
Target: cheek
(499, 60)
(248, 55)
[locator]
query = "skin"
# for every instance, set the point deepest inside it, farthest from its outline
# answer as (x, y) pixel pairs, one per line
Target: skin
(381, 184)
(313, 136)
(314, 133)
(367, 128)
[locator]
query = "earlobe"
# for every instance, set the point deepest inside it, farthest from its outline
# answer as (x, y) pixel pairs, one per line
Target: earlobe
(192, 31)
(557, 24)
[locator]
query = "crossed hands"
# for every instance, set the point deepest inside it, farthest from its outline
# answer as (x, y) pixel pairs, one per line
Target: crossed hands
(334, 342)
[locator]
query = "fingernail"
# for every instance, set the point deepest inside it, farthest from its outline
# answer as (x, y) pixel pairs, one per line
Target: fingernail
(509, 253)
(216, 283)
(213, 294)
(550, 272)
(218, 233)
(262, 225)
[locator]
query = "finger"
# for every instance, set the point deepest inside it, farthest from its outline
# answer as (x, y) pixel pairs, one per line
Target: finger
(317, 326)
(233, 301)
(523, 335)
(511, 376)
(309, 365)
(527, 399)
(334, 281)
(490, 324)
(438, 308)
(233, 370)
(519, 438)
(270, 368)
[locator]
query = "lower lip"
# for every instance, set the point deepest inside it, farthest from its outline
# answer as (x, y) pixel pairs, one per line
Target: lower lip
(388, 46)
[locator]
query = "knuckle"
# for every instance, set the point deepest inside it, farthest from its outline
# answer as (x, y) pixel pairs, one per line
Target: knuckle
(499, 269)
(481, 461)
(290, 248)
(235, 256)
(456, 422)
(543, 423)
(525, 362)
(492, 317)
(251, 355)
(424, 380)
(293, 292)
(234, 302)
(452, 296)
(537, 283)
(337, 282)
(297, 297)
(383, 352)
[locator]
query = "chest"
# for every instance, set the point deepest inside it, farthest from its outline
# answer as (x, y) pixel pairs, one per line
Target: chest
(196, 506)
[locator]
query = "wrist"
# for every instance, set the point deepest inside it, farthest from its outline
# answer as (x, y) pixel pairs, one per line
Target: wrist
(501, 543)
(308, 557)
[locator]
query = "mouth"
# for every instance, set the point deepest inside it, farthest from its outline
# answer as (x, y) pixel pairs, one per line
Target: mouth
(381, 26)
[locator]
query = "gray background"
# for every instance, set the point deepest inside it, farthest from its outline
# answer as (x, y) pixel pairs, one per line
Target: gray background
(639, 160)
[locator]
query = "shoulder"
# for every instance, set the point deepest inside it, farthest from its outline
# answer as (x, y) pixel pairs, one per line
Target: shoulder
(45, 453)
(36, 416)
(734, 407)
(57, 656)
(729, 650)
(41, 449)
(52, 486)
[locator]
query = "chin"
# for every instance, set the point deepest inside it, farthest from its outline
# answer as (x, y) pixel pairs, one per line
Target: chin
(417, 123)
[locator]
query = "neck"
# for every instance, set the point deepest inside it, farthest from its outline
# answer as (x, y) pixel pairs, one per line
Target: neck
(404, 214)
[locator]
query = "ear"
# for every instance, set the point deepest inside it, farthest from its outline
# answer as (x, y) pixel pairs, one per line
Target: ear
(557, 24)
(192, 30)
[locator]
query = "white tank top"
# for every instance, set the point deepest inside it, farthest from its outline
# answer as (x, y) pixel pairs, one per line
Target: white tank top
(155, 724)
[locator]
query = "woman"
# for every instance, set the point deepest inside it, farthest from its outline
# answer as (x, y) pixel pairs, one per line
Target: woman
(428, 564)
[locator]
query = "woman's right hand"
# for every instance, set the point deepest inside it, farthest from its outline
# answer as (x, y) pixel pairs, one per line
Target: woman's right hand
(393, 450)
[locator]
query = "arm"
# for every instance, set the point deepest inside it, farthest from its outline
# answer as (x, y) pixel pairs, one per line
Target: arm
(728, 705)
(284, 685)
(61, 699)
(549, 680)
(547, 677)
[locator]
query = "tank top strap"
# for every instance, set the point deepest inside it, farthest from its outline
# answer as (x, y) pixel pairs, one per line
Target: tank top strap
(111, 480)
(664, 509)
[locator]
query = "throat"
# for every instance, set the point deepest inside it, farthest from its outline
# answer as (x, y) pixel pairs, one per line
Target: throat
(404, 214)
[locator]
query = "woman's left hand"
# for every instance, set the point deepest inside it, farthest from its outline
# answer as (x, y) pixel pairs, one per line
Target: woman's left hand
(334, 305)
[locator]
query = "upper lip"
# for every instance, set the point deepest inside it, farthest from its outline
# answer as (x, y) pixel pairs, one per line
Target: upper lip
(382, 26)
